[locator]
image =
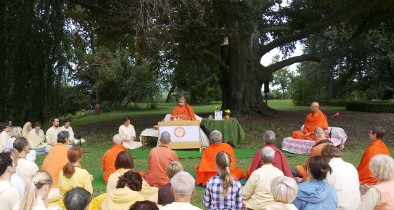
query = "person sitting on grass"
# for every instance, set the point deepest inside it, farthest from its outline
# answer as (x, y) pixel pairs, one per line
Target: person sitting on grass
(223, 191)
(123, 163)
(77, 199)
(108, 161)
(376, 147)
(182, 185)
(165, 194)
(36, 138)
(381, 195)
(72, 175)
(144, 205)
(9, 195)
(316, 193)
(284, 190)
(257, 191)
(279, 160)
(128, 134)
(128, 191)
(207, 167)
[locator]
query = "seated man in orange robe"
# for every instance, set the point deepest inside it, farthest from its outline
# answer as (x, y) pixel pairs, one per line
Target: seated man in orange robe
(108, 162)
(183, 111)
(207, 168)
(376, 147)
(321, 142)
(314, 119)
(279, 160)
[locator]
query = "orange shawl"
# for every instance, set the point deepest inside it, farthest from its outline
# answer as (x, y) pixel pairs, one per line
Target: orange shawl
(184, 112)
(312, 121)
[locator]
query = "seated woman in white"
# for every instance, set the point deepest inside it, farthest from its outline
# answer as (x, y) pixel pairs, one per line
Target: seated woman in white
(128, 134)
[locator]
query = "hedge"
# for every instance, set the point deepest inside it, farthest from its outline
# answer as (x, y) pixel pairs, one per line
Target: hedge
(371, 106)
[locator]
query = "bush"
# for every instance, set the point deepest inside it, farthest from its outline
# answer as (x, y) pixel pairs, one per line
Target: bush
(371, 106)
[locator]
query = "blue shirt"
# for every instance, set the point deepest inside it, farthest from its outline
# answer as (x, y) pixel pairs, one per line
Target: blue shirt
(316, 194)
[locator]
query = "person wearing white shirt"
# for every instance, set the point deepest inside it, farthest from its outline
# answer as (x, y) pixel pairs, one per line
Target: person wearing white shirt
(344, 178)
(128, 134)
(67, 127)
(4, 135)
(8, 194)
(51, 134)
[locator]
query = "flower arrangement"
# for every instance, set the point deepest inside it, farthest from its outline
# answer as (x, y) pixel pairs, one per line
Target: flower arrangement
(227, 111)
(217, 107)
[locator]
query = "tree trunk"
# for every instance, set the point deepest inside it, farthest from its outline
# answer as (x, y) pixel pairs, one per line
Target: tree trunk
(242, 81)
(170, 93)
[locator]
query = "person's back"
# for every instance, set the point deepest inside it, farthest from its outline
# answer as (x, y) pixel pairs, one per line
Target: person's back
(108, 161)
(54, 162)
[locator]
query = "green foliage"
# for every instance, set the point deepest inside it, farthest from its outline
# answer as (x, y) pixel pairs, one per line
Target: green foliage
(371, 106)
(74, 99)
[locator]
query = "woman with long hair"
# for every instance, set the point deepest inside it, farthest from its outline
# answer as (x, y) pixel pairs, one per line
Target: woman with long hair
(26, 129)
(128, 191)
(72, 175)
(36, 193)
(128, 134)
(223, 191)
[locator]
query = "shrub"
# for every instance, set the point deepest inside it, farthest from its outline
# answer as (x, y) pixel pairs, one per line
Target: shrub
(371, 106)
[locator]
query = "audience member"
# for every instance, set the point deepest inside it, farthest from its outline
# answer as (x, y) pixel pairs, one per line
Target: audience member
(52, 134)
(77, 199)
(127, 193)
(207, 167)
(67, 127)
(4, 135)
(279, 160)
(159, 158)
(16, 180)
(8, 194)
(25, 169)
(36, 137)
(223, 191)
(108, 161)
(72, 176)
(165, 194)
(321, 142)
(315, 193)
(15, 133)
(123, 163)
(376, 147)
(128, 134)
(55, 161)
(284, 190)
(182, 185)
(26, 129)
(257, 191)
(344, 178)
(144, 205)
(37, 190)
(381, 195)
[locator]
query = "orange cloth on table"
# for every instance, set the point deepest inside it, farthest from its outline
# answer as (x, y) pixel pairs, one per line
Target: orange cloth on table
(207, 168)
(316, 151)
(184, 112)
(159, 158)
(377, 147)
(279, 161)
(55, 161)
(108, 162)
(312, 121)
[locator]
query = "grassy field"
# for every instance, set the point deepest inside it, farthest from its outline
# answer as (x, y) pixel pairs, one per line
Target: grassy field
(290, 117)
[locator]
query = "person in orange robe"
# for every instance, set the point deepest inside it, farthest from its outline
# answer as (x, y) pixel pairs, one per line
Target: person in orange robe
(314, 119)
(279, 160)
(57, 158)
(321, 142)
(108, 162)
(376, 147)
(183, 111)
(207, 168)
(159, 158)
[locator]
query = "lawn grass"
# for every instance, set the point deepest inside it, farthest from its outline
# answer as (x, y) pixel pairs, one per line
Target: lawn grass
(100, 141)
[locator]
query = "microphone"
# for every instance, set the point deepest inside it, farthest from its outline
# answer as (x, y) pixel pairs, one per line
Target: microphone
(335, 115)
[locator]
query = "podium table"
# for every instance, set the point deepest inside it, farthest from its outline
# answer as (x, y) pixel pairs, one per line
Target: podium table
(232, 131)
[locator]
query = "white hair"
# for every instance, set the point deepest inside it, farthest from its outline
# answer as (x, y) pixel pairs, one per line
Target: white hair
(318, 132)
(117, 139)
(269, 137)
(215, 136)
(267, 154)
(182, 183)
(284, 189)
(165, 137)
(382, 167)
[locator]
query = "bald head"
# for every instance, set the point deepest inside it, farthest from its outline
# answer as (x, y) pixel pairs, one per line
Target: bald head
(117, 139)
(165, 138)
(315, 106)
(319, 133)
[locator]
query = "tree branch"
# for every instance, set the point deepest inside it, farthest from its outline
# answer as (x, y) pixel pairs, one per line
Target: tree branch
(333, 19)
(318, 57)
(217, 58)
